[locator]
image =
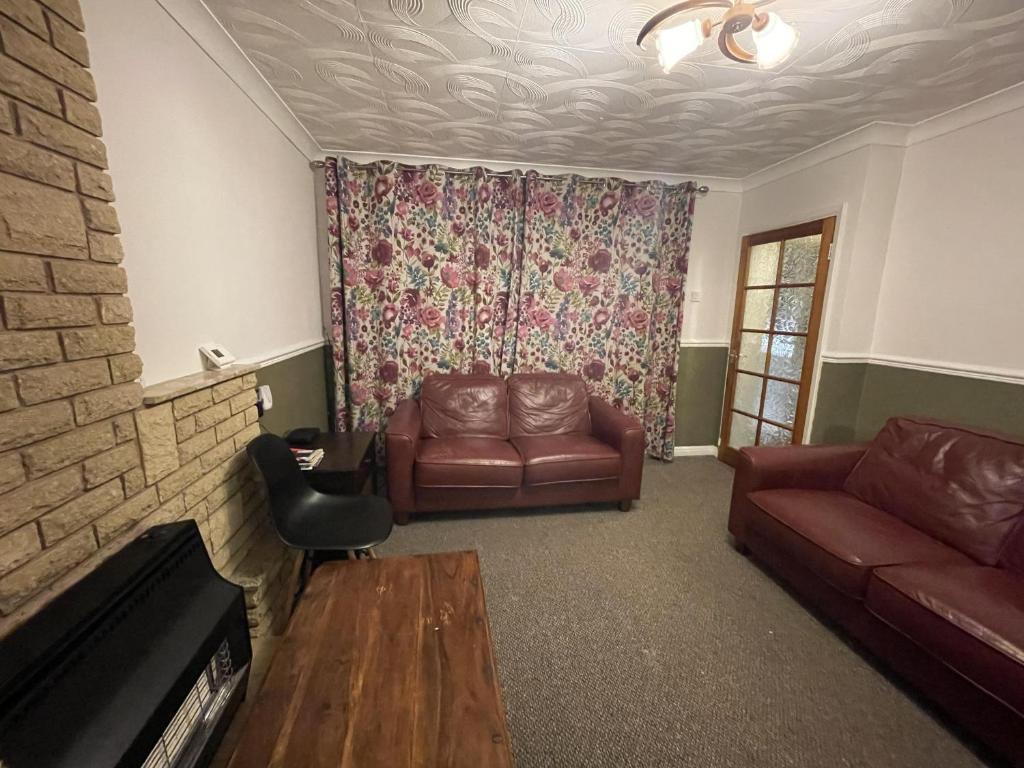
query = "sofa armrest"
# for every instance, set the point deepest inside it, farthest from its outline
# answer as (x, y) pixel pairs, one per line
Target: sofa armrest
(626, 435)
(401, 437)
(812, 467)
(815, 467)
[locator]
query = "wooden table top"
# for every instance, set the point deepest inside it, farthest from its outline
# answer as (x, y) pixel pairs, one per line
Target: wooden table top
(385, 664)
(343, 451)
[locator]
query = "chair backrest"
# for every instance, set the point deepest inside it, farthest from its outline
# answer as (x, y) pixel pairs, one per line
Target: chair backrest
(461, 405)
(547, 404)
(285, 483)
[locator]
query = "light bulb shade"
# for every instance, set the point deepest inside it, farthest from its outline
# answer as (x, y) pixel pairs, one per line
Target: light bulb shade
(676, 42)
(774, 42)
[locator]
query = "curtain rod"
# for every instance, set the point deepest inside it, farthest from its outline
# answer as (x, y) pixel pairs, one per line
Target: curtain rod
(701, 190)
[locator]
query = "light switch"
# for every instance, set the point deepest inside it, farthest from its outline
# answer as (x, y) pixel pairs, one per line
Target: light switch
(695, 296)
(264, 399)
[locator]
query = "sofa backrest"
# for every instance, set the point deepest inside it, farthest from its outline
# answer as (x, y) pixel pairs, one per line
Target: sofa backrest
(1013, 553)
(547, 404)
(963, 486)
(456, 405)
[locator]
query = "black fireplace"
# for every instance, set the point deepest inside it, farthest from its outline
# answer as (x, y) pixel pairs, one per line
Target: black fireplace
(139, 665)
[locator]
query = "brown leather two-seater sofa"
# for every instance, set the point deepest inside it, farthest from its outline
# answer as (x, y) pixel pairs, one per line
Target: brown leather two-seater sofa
(914, 544)
(479, 442)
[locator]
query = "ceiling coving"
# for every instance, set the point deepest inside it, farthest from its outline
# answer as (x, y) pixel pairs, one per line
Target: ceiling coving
(563, 82)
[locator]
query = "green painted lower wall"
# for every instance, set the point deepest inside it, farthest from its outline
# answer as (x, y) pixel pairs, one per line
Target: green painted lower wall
(299, 387)
(700, 389)
(840, 387)
(891, 391)
(855, 399)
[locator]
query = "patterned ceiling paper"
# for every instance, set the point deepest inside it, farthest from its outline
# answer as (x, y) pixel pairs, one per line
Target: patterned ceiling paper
(562, 82)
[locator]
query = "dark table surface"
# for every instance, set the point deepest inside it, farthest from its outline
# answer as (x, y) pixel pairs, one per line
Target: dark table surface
(343, 451)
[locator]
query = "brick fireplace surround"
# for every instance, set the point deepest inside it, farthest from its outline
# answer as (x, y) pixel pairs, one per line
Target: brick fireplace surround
(88, 458)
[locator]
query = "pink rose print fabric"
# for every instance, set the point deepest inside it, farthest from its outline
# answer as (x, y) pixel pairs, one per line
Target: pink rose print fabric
(604, 269)
(425, 264)
(450, 270)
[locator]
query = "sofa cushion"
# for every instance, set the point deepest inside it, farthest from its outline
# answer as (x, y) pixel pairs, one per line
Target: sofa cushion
(840, 538)
(969, 617)
(464, 406)
(963, 486)
(467, 462)
(550, 459)
(547, 404)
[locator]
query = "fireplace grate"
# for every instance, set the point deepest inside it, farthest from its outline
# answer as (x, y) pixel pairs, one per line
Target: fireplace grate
(98, 678)
(188, 730)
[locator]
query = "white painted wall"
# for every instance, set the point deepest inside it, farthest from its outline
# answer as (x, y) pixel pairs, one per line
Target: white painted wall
(951, 293)
(714, 252)
(925, 265)
(859, 187)
(216, 204)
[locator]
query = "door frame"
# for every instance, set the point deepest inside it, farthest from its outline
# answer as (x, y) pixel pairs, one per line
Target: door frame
(826, 227)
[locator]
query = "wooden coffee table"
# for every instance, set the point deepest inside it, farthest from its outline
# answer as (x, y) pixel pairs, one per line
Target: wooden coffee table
(385, 664)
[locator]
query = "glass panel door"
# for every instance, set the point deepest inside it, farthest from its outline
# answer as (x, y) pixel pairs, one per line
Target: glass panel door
(779, 300)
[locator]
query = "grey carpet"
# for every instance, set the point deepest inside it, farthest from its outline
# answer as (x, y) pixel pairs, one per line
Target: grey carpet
(644, 639)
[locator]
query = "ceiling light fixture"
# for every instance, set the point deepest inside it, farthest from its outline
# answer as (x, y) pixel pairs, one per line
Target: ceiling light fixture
(774, 39)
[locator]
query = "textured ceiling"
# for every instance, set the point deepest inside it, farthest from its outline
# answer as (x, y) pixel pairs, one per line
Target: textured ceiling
(562, 82)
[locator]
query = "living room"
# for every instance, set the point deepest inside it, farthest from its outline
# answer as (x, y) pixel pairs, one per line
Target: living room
(693, 324)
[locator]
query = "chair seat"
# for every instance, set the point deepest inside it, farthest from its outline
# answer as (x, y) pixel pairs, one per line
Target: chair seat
(840, 538)
(307, 519)
(550, 459)
(325, 522)
(969, 617)
(467, 462)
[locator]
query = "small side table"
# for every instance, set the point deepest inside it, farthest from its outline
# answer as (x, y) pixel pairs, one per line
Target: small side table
(349, 459)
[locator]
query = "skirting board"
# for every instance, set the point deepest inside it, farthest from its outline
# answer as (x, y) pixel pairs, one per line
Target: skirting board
(695, 450)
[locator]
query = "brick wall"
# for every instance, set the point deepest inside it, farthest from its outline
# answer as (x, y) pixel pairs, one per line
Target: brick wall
(192, 435)
(83, 466)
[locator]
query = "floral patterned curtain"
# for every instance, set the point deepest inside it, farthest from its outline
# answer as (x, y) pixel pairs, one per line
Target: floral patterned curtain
(604, 271)
(425, 267)
(439, 269)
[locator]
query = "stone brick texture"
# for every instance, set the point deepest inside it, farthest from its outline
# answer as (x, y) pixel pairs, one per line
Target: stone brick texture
(85, 467)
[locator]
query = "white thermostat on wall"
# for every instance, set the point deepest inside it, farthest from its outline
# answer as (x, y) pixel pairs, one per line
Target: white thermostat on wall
(215, 356)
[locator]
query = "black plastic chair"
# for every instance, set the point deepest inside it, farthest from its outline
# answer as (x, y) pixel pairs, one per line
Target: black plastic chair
(320, 524)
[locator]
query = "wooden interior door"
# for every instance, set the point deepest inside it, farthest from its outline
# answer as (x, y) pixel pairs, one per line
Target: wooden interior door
(779, 298)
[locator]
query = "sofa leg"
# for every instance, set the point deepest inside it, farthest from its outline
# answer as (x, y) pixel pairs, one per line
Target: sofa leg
(625, 505)
(740, 547)
(401, 518)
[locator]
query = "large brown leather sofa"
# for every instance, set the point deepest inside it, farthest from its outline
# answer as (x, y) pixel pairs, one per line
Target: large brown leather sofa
(914, 544)
(479, 442)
